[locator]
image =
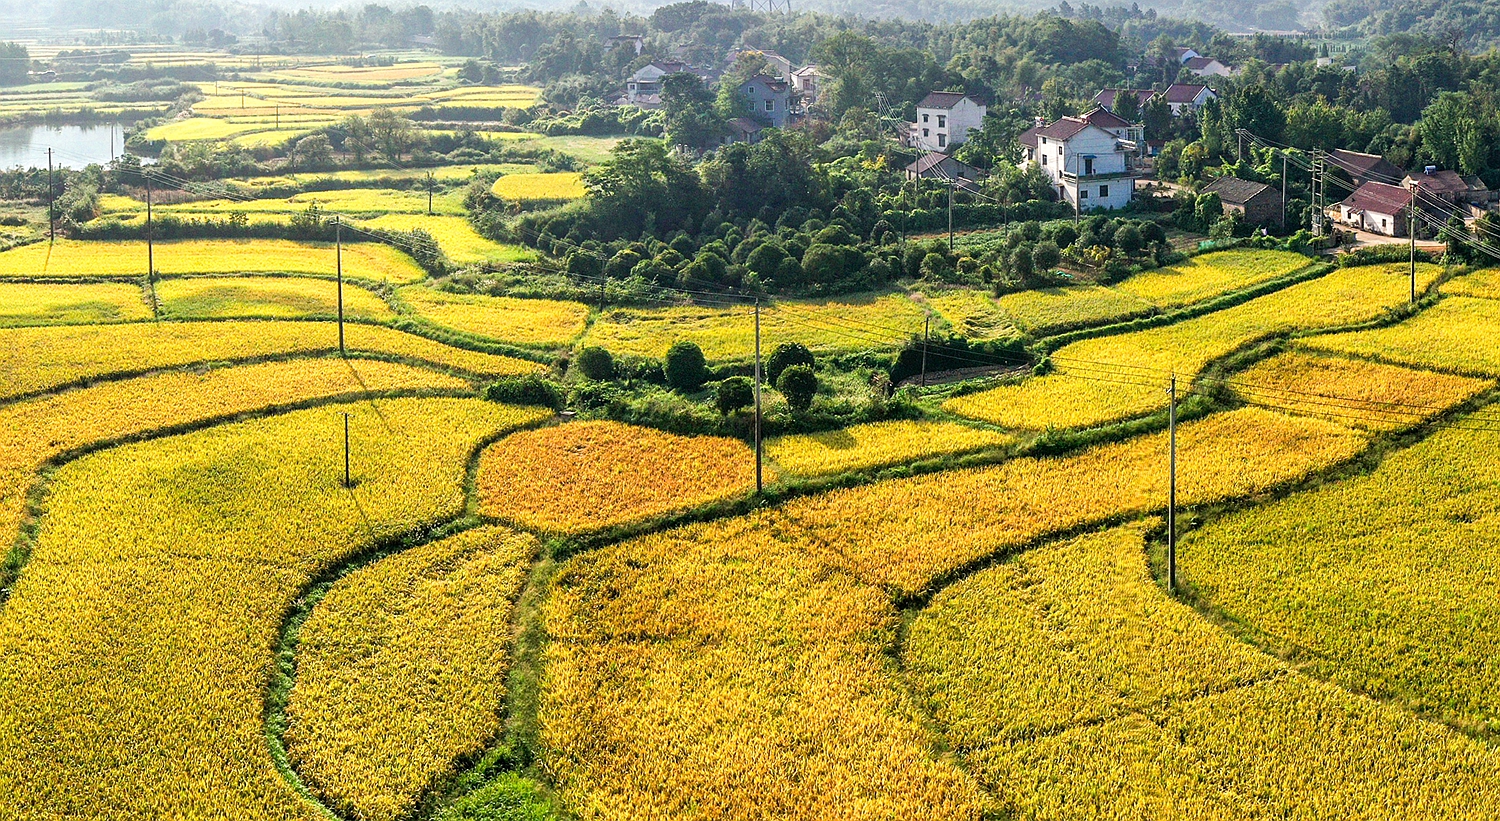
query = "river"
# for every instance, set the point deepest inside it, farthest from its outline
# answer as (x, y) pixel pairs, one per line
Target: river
(72, 145)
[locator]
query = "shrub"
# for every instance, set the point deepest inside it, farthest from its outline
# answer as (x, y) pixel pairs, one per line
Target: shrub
(798, 383)
(528, 389)
(686, 369)
(596, 363)
(1045, 256)
(734, 393)
(786, 355)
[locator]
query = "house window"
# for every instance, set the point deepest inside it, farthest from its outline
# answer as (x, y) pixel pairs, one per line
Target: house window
(1103, 191)
(924, 132)
(942, 121)
(1382, 223)
(770, 105)
(942, 140)
(1083, 193)
(1088, 166)
(1059, 151)
(1044, 159)
(924, 118)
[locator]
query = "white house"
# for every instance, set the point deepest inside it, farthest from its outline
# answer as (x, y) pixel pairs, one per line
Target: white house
(805, 82)
(1184, 54)
(1187, 97)
(1378, 208)
(1086, 163)
(644, 87)
(1207, 67)
(944, 119)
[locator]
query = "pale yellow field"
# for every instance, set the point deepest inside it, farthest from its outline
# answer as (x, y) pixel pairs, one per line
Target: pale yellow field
(1047, 310)
(1457, 334)
(533, 322)
(265, 298)
(48, 304)
(1212, 274)
(75, 258)
(560, 185)
(877, 444)
(458, 239)
(972, 314)
(1485, 283)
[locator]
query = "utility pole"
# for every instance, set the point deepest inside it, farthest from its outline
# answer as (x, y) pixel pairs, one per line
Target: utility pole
(1411, 233)
(150, 246)
(759, 481)
(950, 216)
(338, 239)
(429, 200)
(347, 480)
(1077, 192)
(1172, 490)
(51, 196)
(926, 331)
(603, 280)
(1283, 190)
(1239, 148)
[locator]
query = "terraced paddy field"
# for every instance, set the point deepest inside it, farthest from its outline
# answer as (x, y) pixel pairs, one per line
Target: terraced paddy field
(212, 607)
(75, 259)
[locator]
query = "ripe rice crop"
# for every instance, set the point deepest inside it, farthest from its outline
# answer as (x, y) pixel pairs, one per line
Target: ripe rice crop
(38, 359)
(587, 476)
(1457, 334)
(76, 258)
(532, 322)
(1079, 691)
(1110, 378)
(1047, 310)
(731, 670)
(554, 186)
(144, 625)
(265, 297)
(35, 430)
(401, 670)
(345, 201)
(37, 304)
(972, 314)
(1384, 579)
(1485, 283)
(458, 239)
(199, 128)
(903, 534)
(728, 334)
(877, 444)
(1353, 391)
(1210, 275)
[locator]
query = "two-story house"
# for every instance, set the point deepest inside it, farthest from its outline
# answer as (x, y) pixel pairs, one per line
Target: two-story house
(805, 82)
(770, 99)
(944, 120)
(1207, 67)
(1187, 98)
(644, 86)
(1086, 163)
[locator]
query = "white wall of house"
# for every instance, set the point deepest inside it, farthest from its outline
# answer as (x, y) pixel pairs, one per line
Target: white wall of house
(938, 128)
(1391, 225)
(1087, 169)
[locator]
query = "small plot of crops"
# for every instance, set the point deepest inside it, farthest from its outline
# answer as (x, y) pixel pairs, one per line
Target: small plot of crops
(145, 623)
(1355, 392)
(728, 334)
(37, 359)
(1048, 310)
(906, 533)
(589, 476)
(1385, 579)
(366, 75)
(531, 322)
(458, 239)
(1079, 691)
(541, 187)
(268, 297)
(1110, 378)
(200, 128)
(343, 201)
(35, 430)
(733, 670)
(591, 150)
(1210, 275)
(972, 314)
(877, 444)
(1457, 334)
(76, 258)
(401, 670)
(1485, 283)
(45, 304)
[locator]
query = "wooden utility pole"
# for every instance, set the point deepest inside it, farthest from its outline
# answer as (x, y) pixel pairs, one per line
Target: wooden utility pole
(1283, 190)
(926, 333)
(759, 479)
(51, 197)
(338, 239)
(150, 247)
(951, 184)
(1411, 233)
(603, 281)
(1172, 489)
(429, 193)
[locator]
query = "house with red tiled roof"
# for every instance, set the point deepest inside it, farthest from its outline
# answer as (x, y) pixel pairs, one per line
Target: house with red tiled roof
(1086, 163)
(1207, 67)
(944, 120)
(1366, 167)
(1108, 97)
(1187, 97)
(1378, 208)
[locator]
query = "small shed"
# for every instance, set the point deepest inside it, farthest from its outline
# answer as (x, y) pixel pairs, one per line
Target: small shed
(1255, 202)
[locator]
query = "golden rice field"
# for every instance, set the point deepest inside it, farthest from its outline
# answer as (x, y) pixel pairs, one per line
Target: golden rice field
(344, 201)
(544, 323)
(39, 429)
(39, 359)
(142, 628)
(1355, 392)
(50, 304)
(1110, 378)
(552, 186)
(401, 670)
(1485, 283)
(877, 444)
(265, 298)
(728, 334)
(1048, 310)
(127, 258)
(1210, 275)
(586, 476)
(972, 314)
(1078, 690)
(458, 239)
(200, 128)
(1457, 334)
(1392, 573)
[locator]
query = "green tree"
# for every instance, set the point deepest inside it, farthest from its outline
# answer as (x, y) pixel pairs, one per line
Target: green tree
(734, 393)
(798, 384)
(784, 356)
(15, 61)
(596, 363)
(1045, 256)
(1128, 107)
(644, 184)
(686, 369)
(688, 111)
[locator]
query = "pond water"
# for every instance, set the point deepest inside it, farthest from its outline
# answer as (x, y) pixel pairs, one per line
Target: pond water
(72, 145)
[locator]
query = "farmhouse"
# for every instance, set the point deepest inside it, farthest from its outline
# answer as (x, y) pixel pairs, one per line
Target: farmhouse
(1378, 208)
(770, 99)
(1207, 67)
(1365, 167)
(1187, 98)
(1256, 203)
(944, 119)
(1449, 186)
(1086, 163)
(935, 166)
(643, 89)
